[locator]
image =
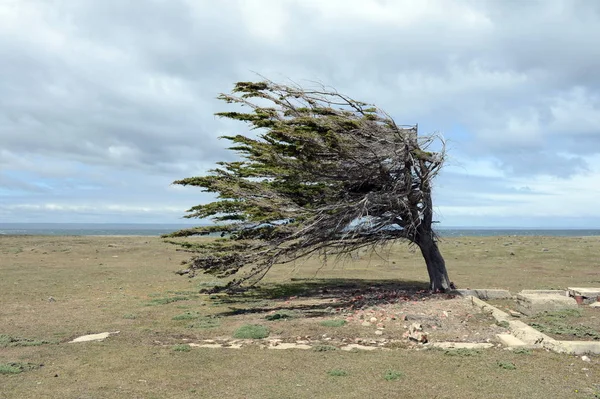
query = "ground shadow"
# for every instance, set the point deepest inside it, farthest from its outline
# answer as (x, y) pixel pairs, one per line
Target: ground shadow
(350, 294)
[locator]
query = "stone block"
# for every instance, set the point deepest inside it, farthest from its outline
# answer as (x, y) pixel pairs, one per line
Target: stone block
(510, 340)
(485, 294)
(532, 304)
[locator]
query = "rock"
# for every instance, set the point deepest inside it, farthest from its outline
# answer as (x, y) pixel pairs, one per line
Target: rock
(586, 359)
(595, 305)
(532, 304)
(514, 313)
(415, 333)
(365, 324)
(373, 319)
(51, 299)
(94, 337)
(378, 332)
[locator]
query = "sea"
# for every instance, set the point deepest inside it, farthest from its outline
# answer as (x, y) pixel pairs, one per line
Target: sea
(146, 229)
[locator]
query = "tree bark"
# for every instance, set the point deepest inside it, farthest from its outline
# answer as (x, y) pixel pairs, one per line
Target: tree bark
(436, 266)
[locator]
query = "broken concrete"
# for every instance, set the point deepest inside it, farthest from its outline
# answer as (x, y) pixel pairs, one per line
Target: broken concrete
(532, 304)
(533, 337)
(586, 295)
(462, 345)
(93, 337)
(485, 293)
(511, 341)
(545, 292)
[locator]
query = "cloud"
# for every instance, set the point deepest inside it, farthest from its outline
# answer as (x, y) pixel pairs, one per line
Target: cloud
(115, 99)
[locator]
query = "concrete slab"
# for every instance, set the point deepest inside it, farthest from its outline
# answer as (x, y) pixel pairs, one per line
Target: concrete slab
(595, 305)
(462, 345)
(93, 337)
(586, 292)
(581, 347)
(485, 294)
(546, 292)
(510, 340)
(532, 304)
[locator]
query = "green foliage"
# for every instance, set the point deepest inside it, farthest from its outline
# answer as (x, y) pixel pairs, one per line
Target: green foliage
(282, 315)
(462, 352)
(182, 348)
(166, 301)
(324, 348)
(320, 162)
(186, 316)
(16, 367)
(507, 365)
(205, 322)
(130, 316)
(337, 373)
(522, 351)
(392, 375)
(251, 331)
(333, 323)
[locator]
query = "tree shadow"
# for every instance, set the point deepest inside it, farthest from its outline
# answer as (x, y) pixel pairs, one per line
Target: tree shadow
(317, 297)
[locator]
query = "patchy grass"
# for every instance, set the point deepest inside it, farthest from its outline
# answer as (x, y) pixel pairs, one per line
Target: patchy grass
(462, 352)
(130, 316)
(93, 291)
(522, 351)
(392, 375)
(566, 322)
(282, 314)
(166, 301)
(337, 373)
(251, 331)
(333, 323)
(324, 348)
(7, 340)
(187, 316)
(17, 367)
(182, 348)
(205, 322)
(506, 365)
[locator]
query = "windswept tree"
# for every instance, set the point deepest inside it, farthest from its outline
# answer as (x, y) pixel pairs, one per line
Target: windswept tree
(325, 174)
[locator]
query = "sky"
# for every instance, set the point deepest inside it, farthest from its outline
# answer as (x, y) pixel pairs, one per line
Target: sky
(104, 103)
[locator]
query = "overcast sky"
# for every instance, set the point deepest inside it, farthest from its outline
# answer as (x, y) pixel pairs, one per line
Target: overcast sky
(103, 103)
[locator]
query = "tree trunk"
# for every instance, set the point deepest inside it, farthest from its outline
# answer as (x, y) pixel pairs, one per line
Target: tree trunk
(436, 266)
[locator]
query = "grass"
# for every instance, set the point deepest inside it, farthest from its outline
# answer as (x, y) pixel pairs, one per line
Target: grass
(506, 365)
(392, 375)
(94, 291)
(7, 340)
(166, 301)
(282, 314)
(130, 316)
(337, 373)
(564, 323)
(324, 348)
(462, 352)
(251, 331)
(17, 367)
(187, 316)
(333, 323)
(182, 348)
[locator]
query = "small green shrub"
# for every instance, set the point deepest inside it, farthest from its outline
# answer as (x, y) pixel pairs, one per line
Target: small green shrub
(507, 365)
(186, 316)
(392, 375)
(282, 314)
(165, 301)
(324, 348)
(337, 373)
(130, 316)
(333, 323)
(462, 352)
(503, 324)
(251, 331)
(522, 351)
(182, 348)
(16, 368)
(205, 322)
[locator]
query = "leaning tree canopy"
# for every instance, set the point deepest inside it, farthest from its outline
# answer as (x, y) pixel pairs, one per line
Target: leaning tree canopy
(324, 172)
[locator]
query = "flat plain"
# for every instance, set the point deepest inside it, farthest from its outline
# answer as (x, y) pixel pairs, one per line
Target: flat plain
(54, 289)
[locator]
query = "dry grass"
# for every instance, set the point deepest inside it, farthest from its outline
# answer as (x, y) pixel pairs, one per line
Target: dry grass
(56, 288)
